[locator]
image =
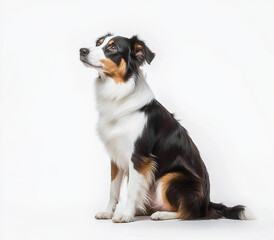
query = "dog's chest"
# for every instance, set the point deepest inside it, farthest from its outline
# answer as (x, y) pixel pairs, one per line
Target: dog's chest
(119, 136)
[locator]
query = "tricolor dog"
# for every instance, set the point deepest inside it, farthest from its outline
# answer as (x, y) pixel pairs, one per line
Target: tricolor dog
(167, 179)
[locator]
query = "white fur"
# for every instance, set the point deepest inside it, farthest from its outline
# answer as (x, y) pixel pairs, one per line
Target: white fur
(159, 199)
(120, 121)
(163, 215)
(247, 215)
(113, 197)
(156, 197)
(137, 192)
(119, 126)
(96, 54)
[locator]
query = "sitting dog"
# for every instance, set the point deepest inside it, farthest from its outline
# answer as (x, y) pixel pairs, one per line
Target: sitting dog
(167, 178)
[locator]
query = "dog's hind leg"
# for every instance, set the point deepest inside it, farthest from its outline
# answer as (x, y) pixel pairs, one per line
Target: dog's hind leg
(180, 196)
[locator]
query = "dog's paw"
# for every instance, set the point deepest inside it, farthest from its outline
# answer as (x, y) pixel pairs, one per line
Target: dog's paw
(122, 218)
(162, 215)
(104, 215)
(157, 216)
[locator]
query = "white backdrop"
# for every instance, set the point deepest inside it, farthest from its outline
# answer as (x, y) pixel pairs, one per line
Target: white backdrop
(214, 67)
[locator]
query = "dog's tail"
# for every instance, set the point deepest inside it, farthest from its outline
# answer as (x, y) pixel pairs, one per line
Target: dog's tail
(217, 210)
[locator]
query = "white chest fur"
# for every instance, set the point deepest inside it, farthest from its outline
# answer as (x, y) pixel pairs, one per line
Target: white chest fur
(120, 135)
(120, 120)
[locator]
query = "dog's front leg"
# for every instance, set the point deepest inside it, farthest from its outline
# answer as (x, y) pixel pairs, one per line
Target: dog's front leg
(116, 180)
(136, 193)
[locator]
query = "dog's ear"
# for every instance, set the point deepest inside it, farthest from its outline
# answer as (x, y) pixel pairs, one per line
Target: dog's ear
(140, 51)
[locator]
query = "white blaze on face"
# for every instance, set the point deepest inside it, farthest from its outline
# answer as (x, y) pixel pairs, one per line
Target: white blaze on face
(96, 54)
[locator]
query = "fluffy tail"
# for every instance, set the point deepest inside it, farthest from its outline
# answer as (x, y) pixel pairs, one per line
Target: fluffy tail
(217, 210)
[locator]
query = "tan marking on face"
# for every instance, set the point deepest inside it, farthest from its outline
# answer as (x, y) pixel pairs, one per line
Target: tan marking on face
(110, 42)
(112, 70)
(101, 41)
(114, 170)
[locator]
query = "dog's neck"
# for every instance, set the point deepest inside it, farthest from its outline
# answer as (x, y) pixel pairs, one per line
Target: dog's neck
(115, 101)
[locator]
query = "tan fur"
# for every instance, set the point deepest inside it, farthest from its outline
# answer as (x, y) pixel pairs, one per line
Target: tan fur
(183, 213)
(147, 166)
(112, 70)
(101, 40)
(137, 47)
(114, 170)
(165, 180)
(110, 42)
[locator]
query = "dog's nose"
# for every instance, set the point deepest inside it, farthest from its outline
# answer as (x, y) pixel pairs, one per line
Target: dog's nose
(84, 51)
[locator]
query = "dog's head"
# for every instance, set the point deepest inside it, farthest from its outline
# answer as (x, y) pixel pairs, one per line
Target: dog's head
(117, 57)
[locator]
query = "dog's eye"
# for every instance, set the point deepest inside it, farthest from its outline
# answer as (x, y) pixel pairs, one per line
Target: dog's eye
(112, 48)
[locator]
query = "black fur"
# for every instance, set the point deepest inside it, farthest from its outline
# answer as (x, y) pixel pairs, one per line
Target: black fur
(126, 50)
(227, 212)
(175, 152)
(168, 144)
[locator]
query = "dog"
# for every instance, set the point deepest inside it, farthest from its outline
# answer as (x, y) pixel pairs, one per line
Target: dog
(167, 179)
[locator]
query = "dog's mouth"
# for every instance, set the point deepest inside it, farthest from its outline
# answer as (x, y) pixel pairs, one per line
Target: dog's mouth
(87, 63)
